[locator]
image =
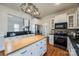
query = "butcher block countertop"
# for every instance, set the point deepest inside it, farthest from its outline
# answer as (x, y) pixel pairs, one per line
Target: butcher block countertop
(15, 45)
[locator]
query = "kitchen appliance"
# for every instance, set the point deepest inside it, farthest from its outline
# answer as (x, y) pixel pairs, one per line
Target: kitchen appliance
(60, 35)
(61, 25)
(77, 34)
(35, 28)
(60, 40)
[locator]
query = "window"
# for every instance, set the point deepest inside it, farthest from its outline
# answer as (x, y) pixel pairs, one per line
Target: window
(16, 27)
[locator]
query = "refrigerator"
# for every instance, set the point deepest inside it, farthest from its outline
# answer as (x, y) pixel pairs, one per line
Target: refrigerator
(35, 29)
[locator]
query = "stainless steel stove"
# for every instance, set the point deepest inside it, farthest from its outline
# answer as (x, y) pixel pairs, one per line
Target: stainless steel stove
(60, 35)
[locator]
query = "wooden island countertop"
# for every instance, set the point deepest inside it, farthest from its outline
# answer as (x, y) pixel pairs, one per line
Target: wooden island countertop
(18, 44)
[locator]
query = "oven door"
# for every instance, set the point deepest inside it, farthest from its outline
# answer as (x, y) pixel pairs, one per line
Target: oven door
(60, 41)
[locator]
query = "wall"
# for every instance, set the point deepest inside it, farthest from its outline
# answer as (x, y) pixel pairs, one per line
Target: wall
(47, 19)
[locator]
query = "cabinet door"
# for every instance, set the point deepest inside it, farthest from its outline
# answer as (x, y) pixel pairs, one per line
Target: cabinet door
(71, 21)
(69, 46)
(34, 49)
(51, 39)
(72, 50)
(44, 49)
(52, 23)
(22, 52)
(41, 47)
(78, 19)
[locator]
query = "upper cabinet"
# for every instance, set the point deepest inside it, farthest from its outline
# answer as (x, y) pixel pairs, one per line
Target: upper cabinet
(73, 19)
(52, 23)
(71, 16)
(61, 18)
(77, 17)
(26, 22)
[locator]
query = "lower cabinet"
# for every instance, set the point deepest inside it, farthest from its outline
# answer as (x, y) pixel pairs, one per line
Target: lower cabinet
(70, 48)
(51, 39)
(36, 49)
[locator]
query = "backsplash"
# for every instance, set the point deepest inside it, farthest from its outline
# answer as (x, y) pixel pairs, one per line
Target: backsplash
(68, 31)
(71, 30)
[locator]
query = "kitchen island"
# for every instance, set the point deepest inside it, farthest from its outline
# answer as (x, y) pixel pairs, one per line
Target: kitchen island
(28, 46)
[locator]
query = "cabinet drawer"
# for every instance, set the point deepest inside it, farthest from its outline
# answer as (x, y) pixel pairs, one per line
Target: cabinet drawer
(22, 52)
(42, 50)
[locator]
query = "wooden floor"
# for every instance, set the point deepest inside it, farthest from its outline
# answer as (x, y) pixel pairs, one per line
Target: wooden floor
(54, 51)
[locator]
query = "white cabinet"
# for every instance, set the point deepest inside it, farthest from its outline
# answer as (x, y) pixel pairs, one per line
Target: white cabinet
(51, 39)
(52, 23)
(61, 18)
(71, 48)
(41, 47)
(22, 52)
(36, 49)
(77, 14)
(26, 22)
(71, 21)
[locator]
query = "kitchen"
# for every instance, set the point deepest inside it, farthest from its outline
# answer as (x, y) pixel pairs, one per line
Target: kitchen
(39, 29)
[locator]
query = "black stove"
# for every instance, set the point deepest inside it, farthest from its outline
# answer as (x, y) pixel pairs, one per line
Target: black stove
(60, 40)
(60, 35)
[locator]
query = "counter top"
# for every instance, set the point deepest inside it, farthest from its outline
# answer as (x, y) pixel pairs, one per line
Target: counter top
(74, 43)
(15, 45)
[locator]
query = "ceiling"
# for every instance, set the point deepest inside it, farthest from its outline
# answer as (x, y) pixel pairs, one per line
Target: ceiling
(44, 8)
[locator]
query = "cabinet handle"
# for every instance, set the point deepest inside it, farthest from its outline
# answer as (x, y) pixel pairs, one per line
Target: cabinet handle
(40, 47)
(24, 52)
(41, 42)
(31, 52)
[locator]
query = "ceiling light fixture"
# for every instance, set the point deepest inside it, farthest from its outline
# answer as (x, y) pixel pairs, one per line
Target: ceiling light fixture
(30, 9)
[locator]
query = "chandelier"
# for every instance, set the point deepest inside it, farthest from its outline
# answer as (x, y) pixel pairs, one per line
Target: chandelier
(30, 9)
